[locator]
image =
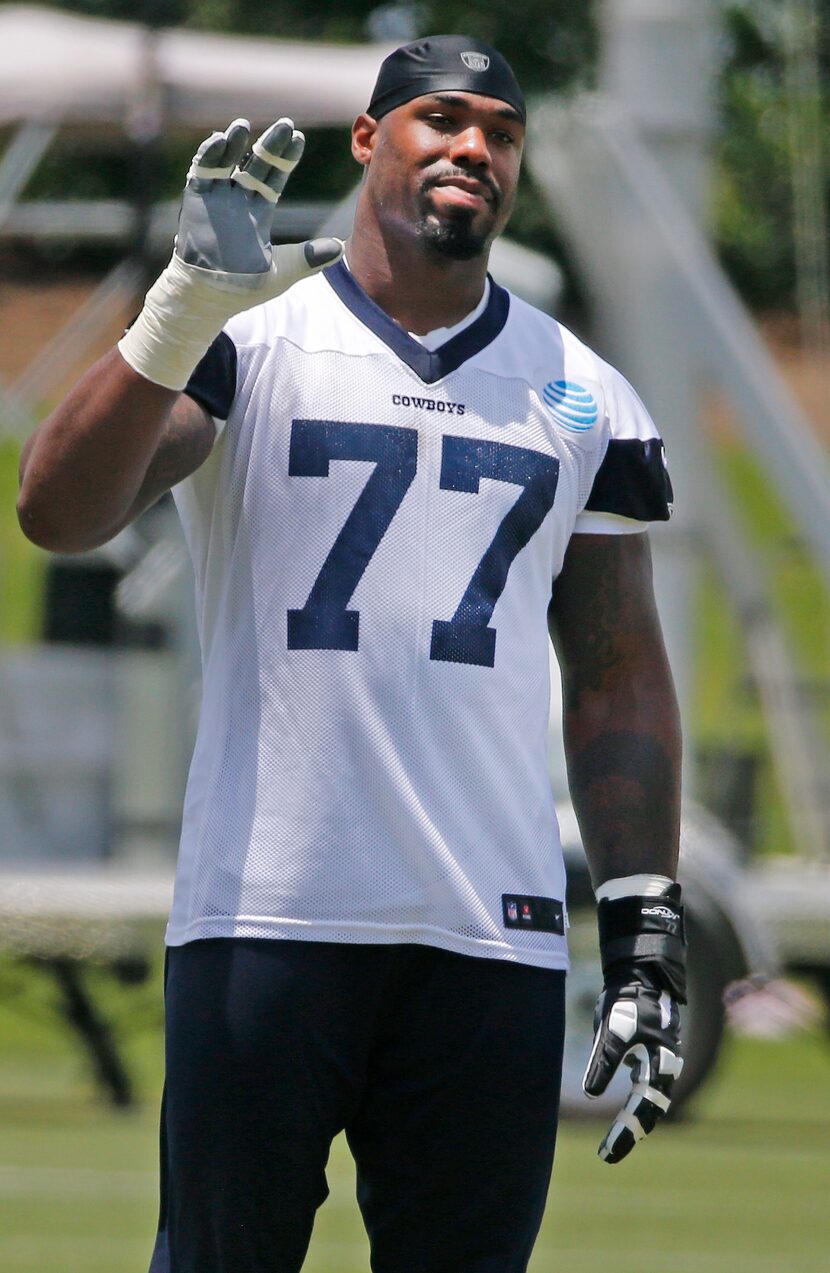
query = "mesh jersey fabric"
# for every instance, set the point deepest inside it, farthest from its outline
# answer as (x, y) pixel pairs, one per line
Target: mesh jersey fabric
(374, 554)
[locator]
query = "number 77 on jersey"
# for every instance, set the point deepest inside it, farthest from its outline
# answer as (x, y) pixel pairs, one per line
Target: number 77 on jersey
(325, 622)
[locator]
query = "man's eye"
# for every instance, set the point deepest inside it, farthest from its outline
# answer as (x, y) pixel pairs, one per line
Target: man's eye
(442, 121)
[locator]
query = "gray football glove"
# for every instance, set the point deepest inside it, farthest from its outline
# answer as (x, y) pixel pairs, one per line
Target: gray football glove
(223, 260)
(637, 1018)
(229, 200)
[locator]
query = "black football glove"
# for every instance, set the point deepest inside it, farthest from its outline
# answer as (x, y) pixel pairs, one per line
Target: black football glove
(637, 1019)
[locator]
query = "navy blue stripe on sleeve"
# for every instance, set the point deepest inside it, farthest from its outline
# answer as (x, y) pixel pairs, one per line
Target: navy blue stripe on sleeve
(213, 383)
(633, 481)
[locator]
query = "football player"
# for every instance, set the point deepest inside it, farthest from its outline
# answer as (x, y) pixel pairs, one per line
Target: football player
(396, 481)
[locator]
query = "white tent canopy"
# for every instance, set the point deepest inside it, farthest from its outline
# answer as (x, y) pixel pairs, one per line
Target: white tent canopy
(84, 71)
(62, 71)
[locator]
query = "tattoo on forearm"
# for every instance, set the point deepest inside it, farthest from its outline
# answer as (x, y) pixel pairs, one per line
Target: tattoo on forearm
(601, 649)
(622, 736)
(623, 786)
(598, 655)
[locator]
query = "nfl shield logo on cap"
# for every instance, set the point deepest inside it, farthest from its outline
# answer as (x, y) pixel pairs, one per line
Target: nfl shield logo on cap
(475, 61)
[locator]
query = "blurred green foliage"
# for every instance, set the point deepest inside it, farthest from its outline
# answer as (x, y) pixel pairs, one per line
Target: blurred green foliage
(553, 45)
(752, 196)
(728, 717)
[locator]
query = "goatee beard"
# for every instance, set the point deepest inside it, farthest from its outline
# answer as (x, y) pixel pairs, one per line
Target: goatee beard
(453, 237)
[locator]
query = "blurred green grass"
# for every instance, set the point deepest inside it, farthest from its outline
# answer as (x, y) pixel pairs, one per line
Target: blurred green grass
(739, 1185)
(21, 564)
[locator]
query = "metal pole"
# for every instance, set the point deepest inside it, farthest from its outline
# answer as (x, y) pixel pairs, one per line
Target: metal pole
(21, 158)
(657, 63)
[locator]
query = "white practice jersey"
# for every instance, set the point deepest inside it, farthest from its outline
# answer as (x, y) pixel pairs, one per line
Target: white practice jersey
(375, 539)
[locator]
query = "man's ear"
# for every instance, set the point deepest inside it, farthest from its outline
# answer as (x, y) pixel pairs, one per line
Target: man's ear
(364, 131)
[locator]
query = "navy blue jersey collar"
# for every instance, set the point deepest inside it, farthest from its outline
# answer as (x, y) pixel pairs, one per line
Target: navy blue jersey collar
(428, 366)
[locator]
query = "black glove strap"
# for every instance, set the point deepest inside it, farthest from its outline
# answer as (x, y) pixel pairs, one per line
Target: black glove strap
(646, 932)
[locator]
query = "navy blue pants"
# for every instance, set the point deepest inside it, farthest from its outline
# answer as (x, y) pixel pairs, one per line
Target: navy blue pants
(443, 1069)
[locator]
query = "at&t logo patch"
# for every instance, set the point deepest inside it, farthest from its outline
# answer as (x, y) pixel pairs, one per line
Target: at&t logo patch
(571, 405)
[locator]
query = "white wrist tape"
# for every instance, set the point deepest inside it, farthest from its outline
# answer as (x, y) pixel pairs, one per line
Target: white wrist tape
(633, 886)
(184, 311)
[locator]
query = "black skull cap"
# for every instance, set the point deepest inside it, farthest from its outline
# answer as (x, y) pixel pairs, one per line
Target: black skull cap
(441, 63)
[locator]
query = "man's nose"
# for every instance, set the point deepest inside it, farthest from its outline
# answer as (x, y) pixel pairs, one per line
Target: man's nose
(470, 146)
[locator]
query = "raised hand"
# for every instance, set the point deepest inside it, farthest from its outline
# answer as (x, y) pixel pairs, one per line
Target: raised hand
(223, 260)
(231, 192)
